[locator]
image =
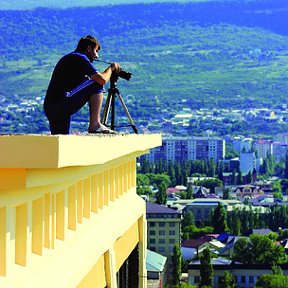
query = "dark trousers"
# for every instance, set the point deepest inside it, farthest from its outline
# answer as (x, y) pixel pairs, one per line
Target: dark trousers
(59, 112)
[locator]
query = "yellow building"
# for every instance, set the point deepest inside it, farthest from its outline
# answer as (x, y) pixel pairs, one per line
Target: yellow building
(69, 212)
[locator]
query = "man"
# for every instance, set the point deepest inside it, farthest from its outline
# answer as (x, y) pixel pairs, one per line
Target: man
(74, 82)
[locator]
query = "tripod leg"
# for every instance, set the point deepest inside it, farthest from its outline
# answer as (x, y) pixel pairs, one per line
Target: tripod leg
(128, 114)
(106, 110)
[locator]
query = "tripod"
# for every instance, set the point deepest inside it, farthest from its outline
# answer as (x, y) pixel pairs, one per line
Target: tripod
(113, 92)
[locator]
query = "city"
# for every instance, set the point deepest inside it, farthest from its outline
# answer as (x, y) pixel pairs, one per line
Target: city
(195, 182)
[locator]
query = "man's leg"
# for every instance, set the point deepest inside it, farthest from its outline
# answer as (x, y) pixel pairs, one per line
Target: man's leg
(95, 104)
(60, 126)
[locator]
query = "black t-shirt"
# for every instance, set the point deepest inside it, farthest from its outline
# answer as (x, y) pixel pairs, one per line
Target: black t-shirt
(71, 70)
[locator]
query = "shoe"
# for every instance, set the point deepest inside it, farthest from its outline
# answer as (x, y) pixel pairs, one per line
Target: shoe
(103, 130)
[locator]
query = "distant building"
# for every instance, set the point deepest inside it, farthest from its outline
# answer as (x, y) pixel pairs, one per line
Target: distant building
(248, 190)
(180, 149)
(202, 207)
(247, 162)
(246, 274)
(281, 137)
(265, 201)
(164, 225)
(241, 144)
(263, 148)
(280, 150)
(156, 266)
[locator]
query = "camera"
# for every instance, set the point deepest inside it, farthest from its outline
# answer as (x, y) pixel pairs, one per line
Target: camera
(124, 75)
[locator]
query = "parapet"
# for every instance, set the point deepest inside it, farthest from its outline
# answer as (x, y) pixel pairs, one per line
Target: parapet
(69, 212)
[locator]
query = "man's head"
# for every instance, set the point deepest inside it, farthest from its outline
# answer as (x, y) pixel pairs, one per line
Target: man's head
(89, 46)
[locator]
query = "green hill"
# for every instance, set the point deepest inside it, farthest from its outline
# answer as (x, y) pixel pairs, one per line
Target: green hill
(212, 54)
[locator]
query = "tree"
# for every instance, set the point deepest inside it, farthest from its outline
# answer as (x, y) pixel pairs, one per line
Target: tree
(272, 281)
(187, 285)
(286, 166)
(228, 281)
(176, 261)
(171, 173)
(178, 174)
(143, 187)
(188, 219)
(157, 179)
(226, 193)
(145, 166)
(239, 178)
(206, 269)
(249, 177)
(161, 195)
(276, 270)
(259, 249)
(233, 176)
(211, 168)
(219, 221)
(278, 195)
(195, 232)
(210, 183)
(189, 193)
(241, 251)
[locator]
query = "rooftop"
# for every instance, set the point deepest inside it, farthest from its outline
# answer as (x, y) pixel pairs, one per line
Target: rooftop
(155, 262)
(152, 208)
(50, 151)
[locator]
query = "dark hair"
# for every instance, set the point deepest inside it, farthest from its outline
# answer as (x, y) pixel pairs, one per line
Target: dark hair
(86, 41)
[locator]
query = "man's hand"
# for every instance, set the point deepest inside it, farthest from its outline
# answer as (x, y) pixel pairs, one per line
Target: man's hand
(116, 68)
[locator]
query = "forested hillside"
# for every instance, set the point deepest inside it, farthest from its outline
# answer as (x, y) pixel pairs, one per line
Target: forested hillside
(226, 54)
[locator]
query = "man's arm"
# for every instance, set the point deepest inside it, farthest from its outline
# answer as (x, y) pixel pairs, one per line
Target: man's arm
(104, 77)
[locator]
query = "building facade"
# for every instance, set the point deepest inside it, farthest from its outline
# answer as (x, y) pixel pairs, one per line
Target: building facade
(247, 162)
(280, 150)
(164, 226)
(263, 148)
(180, 149)
(64, 220)
(246, 275)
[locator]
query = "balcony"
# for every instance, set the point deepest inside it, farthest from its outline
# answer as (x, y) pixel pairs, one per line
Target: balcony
(69, 212)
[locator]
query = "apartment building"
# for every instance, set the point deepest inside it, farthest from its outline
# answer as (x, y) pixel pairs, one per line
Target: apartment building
(263, 148)
(164, 226)
(280, 150)
(246, 275)
(69, 212)
(180, 149)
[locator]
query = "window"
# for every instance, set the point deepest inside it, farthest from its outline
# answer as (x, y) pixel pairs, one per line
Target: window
(152, 241)
(172, 232)
(161, 224)
(171, 241)
(161, 232)
(161, 249)
(152, 232)
(161, 241)
(152, 224)
(171, 224)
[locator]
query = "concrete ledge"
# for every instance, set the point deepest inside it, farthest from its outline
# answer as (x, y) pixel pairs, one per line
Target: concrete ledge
(58, 151)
